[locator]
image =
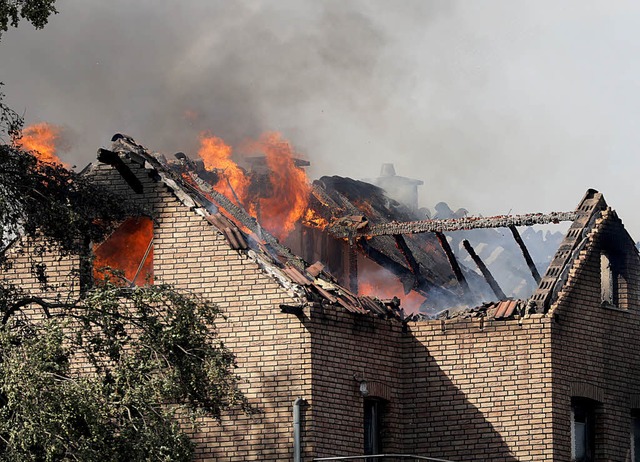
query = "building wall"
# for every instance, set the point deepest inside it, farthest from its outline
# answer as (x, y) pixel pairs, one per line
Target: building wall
(271, 348)
(346, 350)
(479, 391)
(458, 389)
(596, 352)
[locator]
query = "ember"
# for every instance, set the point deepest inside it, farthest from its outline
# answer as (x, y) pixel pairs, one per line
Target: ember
(313, 219)
(41, 138)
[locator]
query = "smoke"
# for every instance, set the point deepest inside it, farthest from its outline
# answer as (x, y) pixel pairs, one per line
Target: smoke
(497, 106)
(164, 72)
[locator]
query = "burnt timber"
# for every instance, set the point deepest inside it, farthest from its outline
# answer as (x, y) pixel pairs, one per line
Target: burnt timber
(453, 224)
(484, 270)
(526, 254)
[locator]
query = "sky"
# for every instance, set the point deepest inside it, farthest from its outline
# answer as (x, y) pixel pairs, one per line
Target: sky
(498, 106)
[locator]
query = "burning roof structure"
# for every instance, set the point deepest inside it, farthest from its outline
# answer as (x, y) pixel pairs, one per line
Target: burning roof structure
(194, 185)
(370, 250)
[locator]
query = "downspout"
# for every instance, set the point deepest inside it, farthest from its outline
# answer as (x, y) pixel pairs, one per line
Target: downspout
(297, 430)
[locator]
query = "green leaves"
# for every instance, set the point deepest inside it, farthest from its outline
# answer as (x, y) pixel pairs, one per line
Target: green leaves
(54, 207)
(107, 379)
(37, 12)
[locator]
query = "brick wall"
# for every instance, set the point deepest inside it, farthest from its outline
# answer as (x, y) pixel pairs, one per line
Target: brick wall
(596, 352)
(271, 348)
(347, 349)
(479, 391)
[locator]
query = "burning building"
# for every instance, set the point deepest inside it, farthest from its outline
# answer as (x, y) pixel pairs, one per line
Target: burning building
(553, 376)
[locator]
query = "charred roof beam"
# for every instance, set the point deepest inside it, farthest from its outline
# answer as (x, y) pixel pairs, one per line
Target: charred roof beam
(111, 158)
(408, 255)
(526, 254)
(484, 270)
(457, 271)
(454, 224)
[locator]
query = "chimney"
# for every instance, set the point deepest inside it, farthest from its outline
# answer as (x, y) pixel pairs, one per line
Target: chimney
(387, 170)
(400, 188)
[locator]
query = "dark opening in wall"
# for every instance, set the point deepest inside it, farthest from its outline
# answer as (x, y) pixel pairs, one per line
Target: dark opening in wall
(635, 435)
(373, 419)
(583, 427)
(128, 249)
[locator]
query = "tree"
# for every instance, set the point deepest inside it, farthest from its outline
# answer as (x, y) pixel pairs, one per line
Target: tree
(149, 354)
(37, 12)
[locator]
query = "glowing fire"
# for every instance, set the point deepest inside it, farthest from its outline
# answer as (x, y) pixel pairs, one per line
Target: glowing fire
(285, 202)
(289, 196)
(216, 155)
(129, 249)
(311, 218)
(41, 138)
(375, 281)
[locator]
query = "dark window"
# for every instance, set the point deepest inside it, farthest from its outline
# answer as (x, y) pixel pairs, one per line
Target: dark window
(635, 435)
(582, 430)
(373, 409)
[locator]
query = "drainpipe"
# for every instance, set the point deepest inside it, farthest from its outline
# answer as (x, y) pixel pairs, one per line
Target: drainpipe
(297, 430)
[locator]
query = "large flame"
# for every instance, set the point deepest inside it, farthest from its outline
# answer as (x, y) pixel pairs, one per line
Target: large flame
(289, 196)
(41, 138)
(285, 202)
(216, 155)
(129, 249)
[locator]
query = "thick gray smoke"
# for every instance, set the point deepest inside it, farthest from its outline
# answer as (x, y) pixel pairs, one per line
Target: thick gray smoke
(496, 105)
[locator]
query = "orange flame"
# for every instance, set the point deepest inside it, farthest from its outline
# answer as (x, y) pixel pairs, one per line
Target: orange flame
(290, 188)
(126, 249)
(216, 155)
(376, 281)
(41, 138)
(312, 219)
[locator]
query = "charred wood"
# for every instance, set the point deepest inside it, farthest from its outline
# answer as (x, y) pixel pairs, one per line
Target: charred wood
(408, 255)
(454, 224)
(526, 254)
(353, 267)
(407, 279)
(111, 158)
(484, 270)
(442, 239)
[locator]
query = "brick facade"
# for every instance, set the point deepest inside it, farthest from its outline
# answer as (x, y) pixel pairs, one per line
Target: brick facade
(596, 349)
(480, 389)
(460, 389)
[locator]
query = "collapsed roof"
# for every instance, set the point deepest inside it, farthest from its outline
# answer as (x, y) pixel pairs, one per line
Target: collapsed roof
(189, 183)
(379, 228)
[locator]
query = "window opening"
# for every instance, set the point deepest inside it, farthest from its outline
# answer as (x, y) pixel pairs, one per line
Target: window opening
(582, 430)
(608, 281)
(635, 435)
(373, 410)
(128, 249)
